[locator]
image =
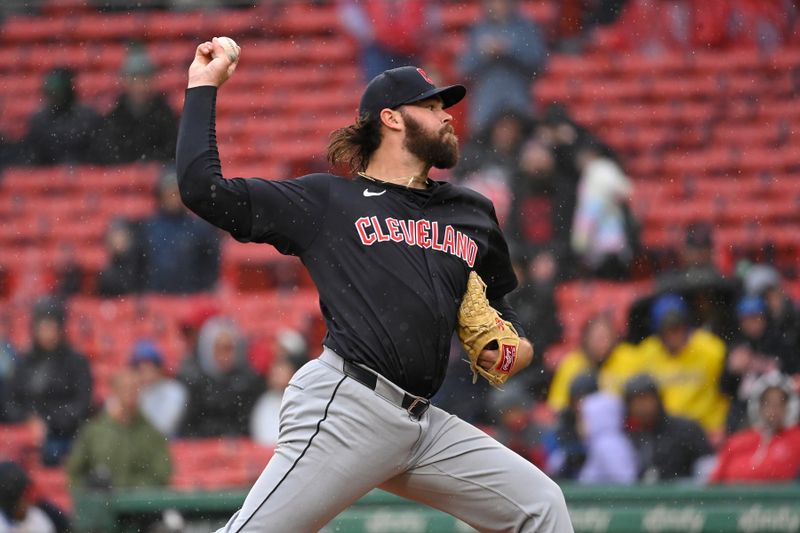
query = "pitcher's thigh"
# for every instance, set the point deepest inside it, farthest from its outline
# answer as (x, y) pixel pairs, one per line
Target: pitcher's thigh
(328, 456)
(473, 477)
(296, 495)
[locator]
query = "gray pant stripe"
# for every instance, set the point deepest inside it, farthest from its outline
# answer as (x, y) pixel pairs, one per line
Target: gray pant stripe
(310, 440)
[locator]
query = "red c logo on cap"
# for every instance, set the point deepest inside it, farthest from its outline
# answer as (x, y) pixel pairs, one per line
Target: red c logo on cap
(425, 76)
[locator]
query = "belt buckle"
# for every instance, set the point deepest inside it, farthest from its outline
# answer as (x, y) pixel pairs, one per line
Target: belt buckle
(418, 401)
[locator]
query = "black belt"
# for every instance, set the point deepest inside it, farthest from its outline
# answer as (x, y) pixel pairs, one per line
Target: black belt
(415, 405)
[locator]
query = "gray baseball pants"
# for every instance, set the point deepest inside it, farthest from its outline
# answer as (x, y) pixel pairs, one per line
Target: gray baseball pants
(339, 440)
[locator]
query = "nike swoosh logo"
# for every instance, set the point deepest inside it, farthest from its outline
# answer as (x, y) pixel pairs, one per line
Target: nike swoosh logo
(367, 193)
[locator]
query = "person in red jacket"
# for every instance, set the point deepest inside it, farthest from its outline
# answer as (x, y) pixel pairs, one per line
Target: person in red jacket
(770, 449)
(390, 33)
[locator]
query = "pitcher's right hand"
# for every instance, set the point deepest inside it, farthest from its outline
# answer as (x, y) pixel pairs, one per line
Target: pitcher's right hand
(213, 62)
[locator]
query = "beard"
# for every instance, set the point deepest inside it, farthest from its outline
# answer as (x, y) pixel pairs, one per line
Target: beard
(439, 150)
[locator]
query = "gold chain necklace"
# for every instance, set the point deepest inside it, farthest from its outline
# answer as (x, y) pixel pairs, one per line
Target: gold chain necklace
(408, 185)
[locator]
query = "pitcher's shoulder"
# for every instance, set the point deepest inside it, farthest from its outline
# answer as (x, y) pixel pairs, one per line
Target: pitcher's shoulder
(456, 192)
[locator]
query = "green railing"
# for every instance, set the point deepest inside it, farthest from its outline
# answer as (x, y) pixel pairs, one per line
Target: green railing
(646, 509)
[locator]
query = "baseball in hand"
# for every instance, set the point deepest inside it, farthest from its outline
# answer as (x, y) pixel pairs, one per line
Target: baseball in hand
(230, 47)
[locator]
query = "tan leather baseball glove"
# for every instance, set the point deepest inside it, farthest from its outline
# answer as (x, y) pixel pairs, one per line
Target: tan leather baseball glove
(479, 327)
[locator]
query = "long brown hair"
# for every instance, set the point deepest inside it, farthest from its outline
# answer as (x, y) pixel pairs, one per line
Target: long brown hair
(353, 145)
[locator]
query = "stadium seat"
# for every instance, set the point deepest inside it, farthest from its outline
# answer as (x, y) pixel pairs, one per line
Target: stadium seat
(52, 484)
(32, 29)
(18, 442)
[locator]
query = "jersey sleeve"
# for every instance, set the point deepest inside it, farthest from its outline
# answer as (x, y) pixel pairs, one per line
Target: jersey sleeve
(503, 307)
(287, 214)
(494, 266)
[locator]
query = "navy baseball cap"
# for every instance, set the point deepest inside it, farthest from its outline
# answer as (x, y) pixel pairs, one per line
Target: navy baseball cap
(146, 351)
(668, 310)
(404, 85)
(750, 305)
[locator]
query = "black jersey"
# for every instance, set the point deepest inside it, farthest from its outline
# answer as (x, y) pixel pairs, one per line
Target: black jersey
(390, 263)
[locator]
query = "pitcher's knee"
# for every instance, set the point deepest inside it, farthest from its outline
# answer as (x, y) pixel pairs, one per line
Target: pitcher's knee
(547, 510)
(557, 505)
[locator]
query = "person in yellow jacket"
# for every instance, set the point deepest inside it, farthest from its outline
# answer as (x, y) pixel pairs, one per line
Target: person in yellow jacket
(600, 353)
(687, 363)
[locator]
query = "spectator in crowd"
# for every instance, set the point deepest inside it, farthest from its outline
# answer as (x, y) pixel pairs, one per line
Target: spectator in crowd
(515, 428)
(51, 386)
(162, 400)
(600, 353)
(20, 510)
(559, 131)
(580, 16)
(495, 149)
(290, 343)
(490, 160)
(181, 251)
(751, 356)
(783, 321)
(286, 342)
(600, 229)
(68, 271)
(224, 391)
(696, 267)
(683, 26)
(264, 427)
(668, 25)
(711, 296)
(123, 273)
(142, 125)
(8, 358)
(566, 452)
(610, 456)
(686, 363)
(504, 52)
(762, 25)
(391, 33)
(698, 250)
(7, 152)
(119, 448)
(63, 130)
(190, 325)
(667, 447)
(535, 304)
(769, 451)
(539, 216)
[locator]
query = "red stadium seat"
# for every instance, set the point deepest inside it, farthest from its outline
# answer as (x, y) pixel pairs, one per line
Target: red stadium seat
(32, 29)
(52, 484)
(217, 462)
(18, 442)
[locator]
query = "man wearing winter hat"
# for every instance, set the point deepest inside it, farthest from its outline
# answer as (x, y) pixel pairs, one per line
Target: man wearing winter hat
(51, 385)
(754, 352)
(770, 449)
(162, 400)
(667, 447)
(142, 125)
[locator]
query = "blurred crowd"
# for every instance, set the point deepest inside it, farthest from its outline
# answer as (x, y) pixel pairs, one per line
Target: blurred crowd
(701, 384)
(224, 387)
(680, 403)
(141, 125)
